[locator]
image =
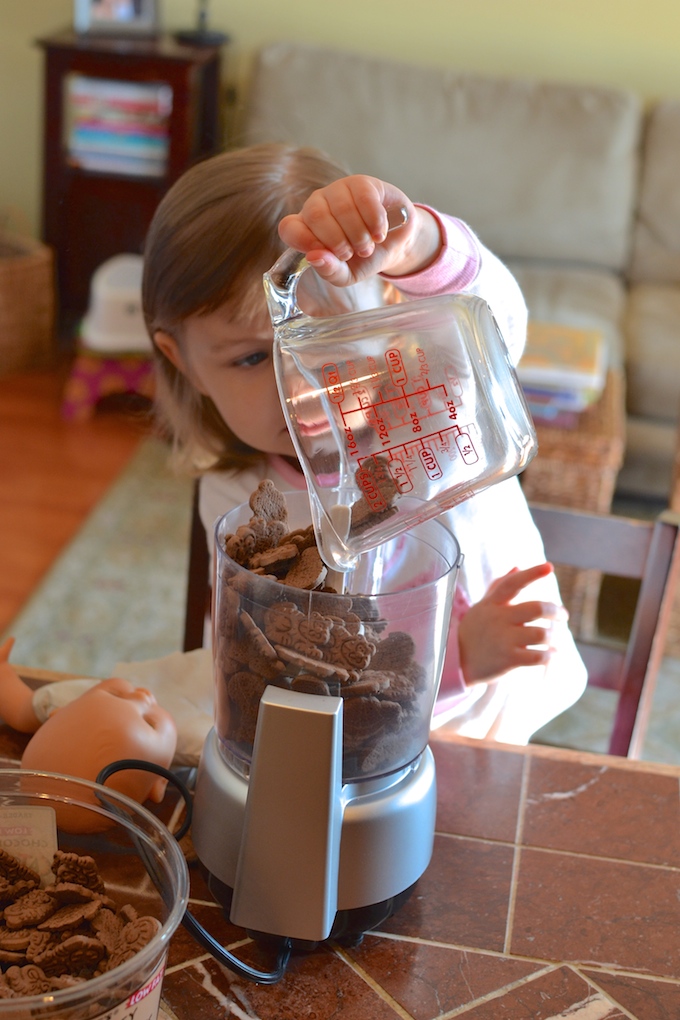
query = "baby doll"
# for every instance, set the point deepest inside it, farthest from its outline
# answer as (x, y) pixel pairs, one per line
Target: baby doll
(110, 720)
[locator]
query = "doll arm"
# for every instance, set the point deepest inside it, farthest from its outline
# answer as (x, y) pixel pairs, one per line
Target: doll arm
(16, 698)
(26, 710)
(498, 634)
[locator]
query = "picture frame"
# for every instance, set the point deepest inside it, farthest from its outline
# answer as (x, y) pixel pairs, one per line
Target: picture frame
(116, 17)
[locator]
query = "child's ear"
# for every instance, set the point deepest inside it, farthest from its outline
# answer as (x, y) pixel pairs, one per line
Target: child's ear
(168, 346)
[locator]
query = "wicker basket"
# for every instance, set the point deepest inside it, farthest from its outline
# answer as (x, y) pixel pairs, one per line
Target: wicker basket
(27, 304)
(578, 468)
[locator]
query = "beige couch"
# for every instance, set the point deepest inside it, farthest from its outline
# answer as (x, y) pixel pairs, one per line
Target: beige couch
(577, 188)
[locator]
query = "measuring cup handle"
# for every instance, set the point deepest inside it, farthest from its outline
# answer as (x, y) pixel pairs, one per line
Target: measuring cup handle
(280, 286)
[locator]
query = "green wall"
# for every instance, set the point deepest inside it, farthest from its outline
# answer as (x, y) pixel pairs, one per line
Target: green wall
(629, 43)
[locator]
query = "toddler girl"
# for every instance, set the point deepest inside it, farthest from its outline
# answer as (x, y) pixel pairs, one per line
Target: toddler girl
(511, 662)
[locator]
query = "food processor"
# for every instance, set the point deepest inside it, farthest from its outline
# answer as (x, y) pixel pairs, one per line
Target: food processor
(315, 797)
(314, 808)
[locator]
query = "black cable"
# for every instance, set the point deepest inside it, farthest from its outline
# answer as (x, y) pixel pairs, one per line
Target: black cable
(203, 937)
(124, 764)
(223, 955)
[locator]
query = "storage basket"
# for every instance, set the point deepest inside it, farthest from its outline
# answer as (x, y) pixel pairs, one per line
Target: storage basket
(27, 303)
(578, 468)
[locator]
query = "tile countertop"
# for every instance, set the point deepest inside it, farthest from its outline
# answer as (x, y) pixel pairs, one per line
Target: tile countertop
(553, 891)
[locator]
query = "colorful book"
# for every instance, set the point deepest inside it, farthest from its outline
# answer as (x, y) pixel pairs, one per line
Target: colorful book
(563, 358)
(118, 126)
(564, 400)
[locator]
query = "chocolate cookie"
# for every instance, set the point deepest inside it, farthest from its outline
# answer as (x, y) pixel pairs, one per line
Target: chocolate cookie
(308, 571)
(267, 502)
(29, 910)
(81, 869)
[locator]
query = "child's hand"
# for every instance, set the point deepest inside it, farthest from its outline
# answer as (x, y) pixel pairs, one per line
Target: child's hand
(495, 634)
(343, 229)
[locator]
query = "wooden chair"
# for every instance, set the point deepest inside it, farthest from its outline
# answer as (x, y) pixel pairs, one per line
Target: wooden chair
(673, 637)
(622, 547)
(198, 581)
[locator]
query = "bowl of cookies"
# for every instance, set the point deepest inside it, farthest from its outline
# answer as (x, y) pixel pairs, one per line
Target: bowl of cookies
(86, 917)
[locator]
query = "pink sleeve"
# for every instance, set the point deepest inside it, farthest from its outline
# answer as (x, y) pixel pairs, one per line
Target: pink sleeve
(455, 268)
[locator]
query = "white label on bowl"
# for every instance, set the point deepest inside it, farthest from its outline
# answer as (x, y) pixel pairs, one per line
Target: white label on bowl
(30, 835)
(144, 1004)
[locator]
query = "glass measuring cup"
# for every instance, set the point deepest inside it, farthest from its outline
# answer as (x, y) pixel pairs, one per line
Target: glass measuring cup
(397, 413)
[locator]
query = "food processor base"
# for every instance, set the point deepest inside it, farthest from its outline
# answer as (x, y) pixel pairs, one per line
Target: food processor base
(382, 844)
(348, 929)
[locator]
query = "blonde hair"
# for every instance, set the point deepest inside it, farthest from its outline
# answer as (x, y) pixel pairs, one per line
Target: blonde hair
(212, 238)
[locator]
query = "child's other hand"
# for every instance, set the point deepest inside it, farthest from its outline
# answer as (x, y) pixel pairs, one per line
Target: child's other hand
(497, 634)
(343, 230)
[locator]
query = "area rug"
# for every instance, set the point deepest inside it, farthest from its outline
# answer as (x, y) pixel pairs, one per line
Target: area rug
(587, 725)
(118, 591)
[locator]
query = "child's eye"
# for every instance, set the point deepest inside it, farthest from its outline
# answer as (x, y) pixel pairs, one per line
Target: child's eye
(250, 360)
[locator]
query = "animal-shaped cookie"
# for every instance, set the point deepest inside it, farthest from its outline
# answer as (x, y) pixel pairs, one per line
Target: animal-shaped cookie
(267, 502)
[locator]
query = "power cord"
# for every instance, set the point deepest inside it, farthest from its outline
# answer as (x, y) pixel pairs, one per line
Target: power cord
(199, 933)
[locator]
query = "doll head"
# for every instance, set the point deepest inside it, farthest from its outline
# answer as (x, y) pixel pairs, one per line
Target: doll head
(110, 721)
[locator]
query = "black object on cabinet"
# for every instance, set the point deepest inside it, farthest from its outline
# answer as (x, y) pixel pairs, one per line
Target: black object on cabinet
(97, 200)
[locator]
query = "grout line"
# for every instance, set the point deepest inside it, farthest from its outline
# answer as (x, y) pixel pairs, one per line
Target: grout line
(468, 1007)
(372, 983)
(626, 972)
(517, 853)
(607, 995)
(564, 852)
(540, 961)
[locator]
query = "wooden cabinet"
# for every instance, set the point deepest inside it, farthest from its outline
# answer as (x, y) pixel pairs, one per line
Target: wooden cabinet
(98, 201)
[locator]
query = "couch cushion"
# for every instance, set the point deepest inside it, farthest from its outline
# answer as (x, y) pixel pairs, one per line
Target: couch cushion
(653, 351)
(538, 169)
(587, 299)
(656, 238)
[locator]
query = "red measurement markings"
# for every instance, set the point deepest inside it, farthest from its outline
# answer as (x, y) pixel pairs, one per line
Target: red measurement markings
(378, 424)
(352, 445)
(454, 385)
(333, 383)
(430, 463)
(466, 448)
(372, 494)
(395, 366)
(400, 475)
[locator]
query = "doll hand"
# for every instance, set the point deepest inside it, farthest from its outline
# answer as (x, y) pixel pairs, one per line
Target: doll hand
(344, 231)
(16, 698)
(6, 649)
(494, 635)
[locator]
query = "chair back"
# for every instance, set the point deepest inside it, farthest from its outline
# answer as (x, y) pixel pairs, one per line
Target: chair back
(648, 551)
(198, 581)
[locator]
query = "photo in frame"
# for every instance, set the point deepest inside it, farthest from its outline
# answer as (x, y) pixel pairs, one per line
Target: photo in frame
(116, 17)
